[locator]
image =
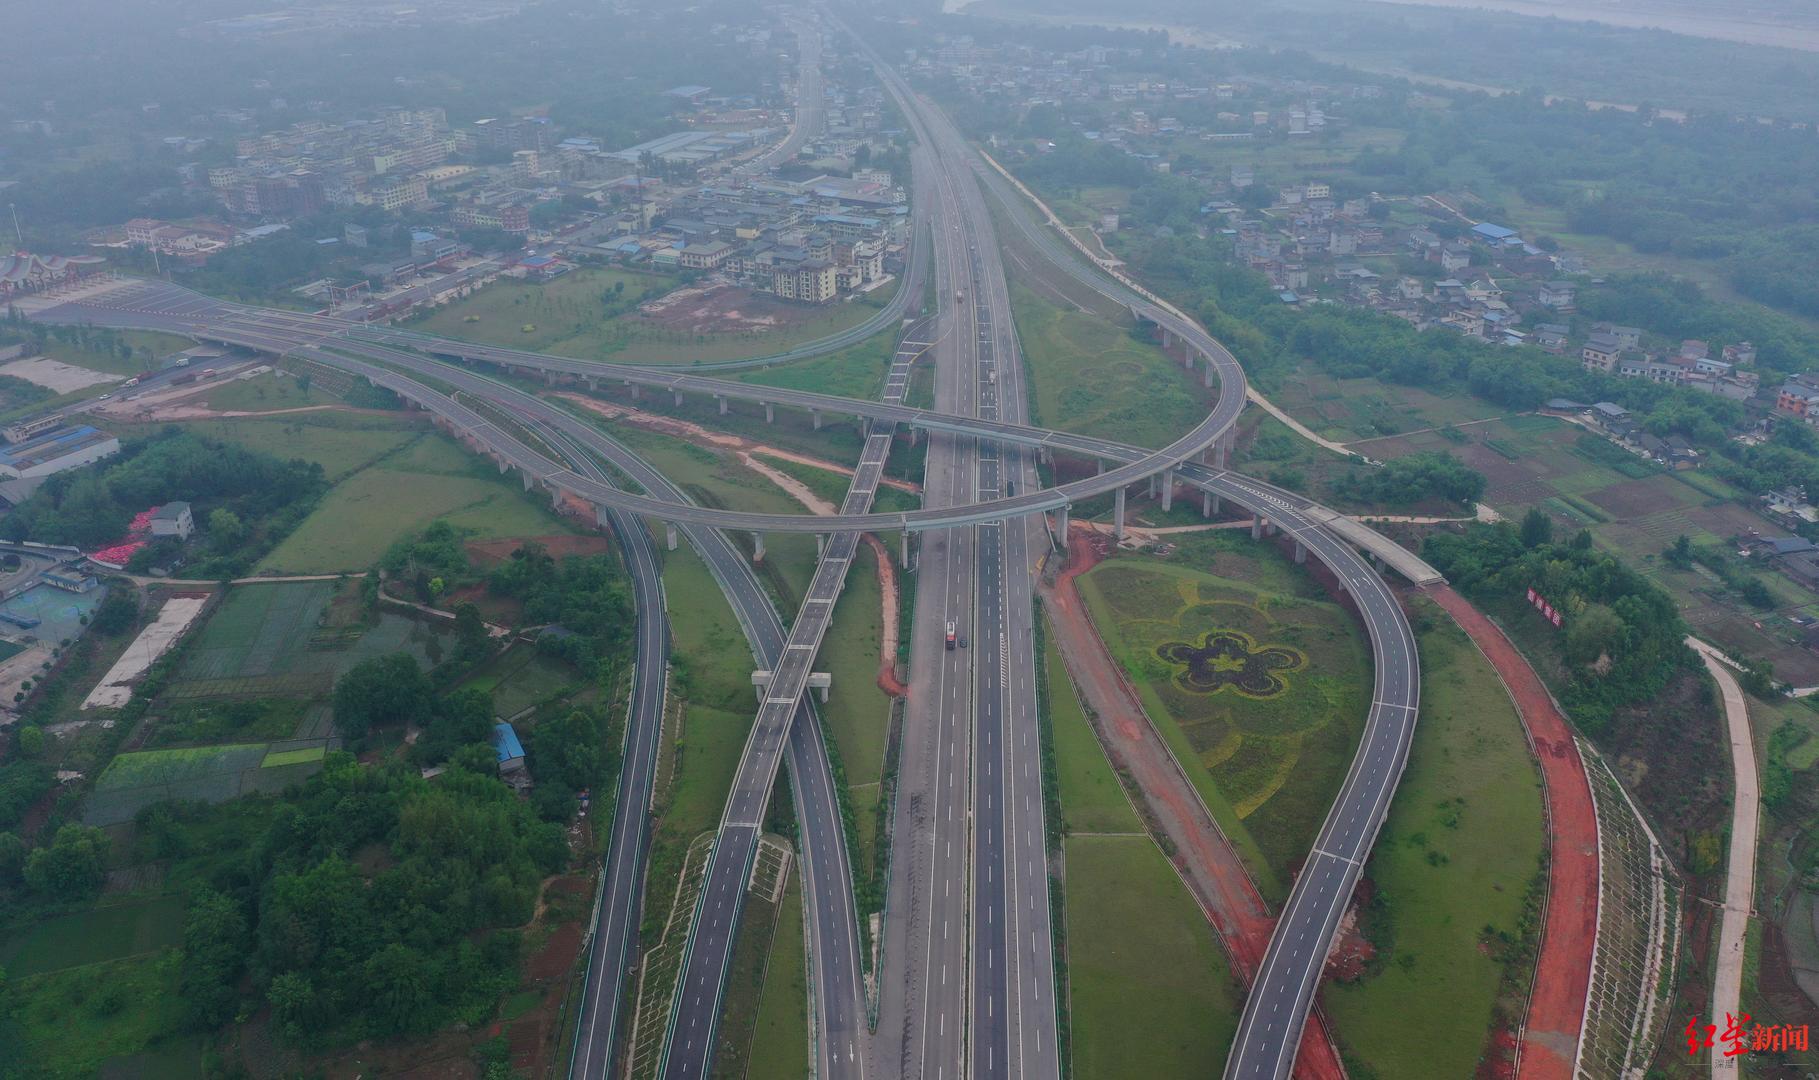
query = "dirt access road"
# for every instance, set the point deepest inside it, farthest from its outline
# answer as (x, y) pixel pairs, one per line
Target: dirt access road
(1563, 970)
(1203, 857)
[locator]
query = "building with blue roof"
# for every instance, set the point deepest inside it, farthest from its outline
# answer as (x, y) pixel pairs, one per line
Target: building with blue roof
(507, 747)
(25, 465)
(1496, 234)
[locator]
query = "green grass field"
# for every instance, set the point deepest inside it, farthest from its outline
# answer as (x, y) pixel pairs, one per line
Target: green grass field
(277, 759)
(1462, 843)
(340, 442)
(1092, 800)
(789, 559)
(857, 713)
(1149, 990)
(265, 392)
(1089, 375)
(779, 1039)
(713, 665)
(70, 1022)
(93, 936)
(1267, 763)
(365, 514)
(148, 348)
(855, 372)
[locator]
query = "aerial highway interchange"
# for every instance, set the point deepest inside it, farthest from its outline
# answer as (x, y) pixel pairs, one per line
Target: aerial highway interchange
(965, 980)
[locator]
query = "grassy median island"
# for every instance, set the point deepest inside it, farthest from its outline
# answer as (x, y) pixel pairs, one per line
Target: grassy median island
(1451, 873)
(1149, 990)
(1090, 375)
(1257, 681)
(780, 1037)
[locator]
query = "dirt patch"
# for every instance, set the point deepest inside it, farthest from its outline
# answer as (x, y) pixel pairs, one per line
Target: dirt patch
(722, 309)
(557, 955)
(487, 554)
(716, 440)
(887, 646)
(55, 375)
(1563, 968)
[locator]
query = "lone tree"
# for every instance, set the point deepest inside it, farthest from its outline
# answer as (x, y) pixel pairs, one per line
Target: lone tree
(1537, 528)
(385, 689)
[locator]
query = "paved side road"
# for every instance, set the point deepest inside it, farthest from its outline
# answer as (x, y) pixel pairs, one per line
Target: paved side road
(1740, 875)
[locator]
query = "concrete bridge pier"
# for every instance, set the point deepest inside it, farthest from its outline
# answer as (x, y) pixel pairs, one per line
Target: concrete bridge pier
(1099, 467)
(721, 398)
(1209, 504)
(1209, 373)
(1256, 526)
(678, 394)
(1118, 515)
(634, 387)
(528, 480)
(904, 548)
(601, 519)
(1219, 452)
(770, 413)
(555, 498)
(757, 547)
(814, 416)
(593, 383)
(1046, 456)
(549, 377)
(1061, 523)
(1269, 528)
(669, 534)
(1152, 485)
(1300, 553)
(499, 460)
(820, 544)
(1168, 489)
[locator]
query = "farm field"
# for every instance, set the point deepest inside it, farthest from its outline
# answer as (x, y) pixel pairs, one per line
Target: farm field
(1257, 681)
(424, 481)
(90, 937)
(1635, 509)
(576, 315)
(1088, 375)
(1150, 992)
(1461, 846)
(522, 678)
(136, 780)
(290, 639)
(1350, 410)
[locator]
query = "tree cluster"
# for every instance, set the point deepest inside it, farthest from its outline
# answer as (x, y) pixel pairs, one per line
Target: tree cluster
(264, 497)
(1623, 639)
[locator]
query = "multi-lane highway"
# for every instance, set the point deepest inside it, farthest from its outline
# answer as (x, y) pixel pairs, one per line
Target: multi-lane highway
(1002, 834)
(614, 939)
